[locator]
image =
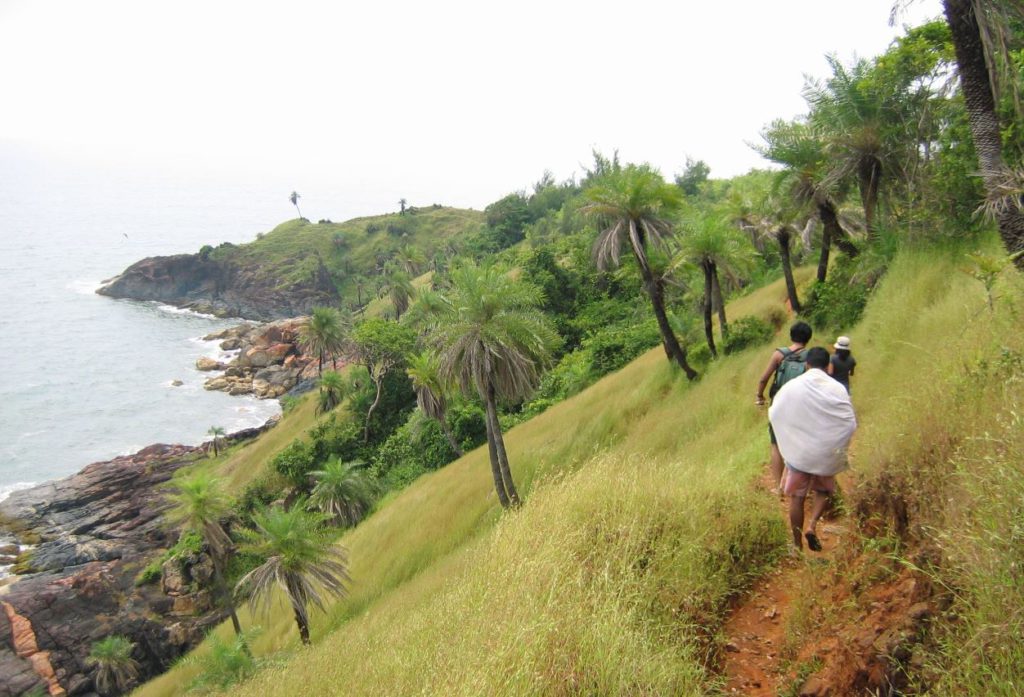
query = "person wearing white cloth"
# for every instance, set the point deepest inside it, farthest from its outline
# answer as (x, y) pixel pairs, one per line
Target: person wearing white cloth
(814, 421)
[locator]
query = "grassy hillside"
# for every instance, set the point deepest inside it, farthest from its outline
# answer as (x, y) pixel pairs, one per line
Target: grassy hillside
(291, 252)
(644, 517)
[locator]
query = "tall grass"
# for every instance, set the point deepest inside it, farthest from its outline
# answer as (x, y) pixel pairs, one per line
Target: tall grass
(643, 519)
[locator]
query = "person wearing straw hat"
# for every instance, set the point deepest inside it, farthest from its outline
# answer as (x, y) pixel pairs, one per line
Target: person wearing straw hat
(842, 363)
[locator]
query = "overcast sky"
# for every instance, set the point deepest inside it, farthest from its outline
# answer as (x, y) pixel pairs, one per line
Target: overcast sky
(446, 101)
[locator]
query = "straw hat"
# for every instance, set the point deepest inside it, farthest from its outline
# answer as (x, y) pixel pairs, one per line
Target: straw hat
(842, 343)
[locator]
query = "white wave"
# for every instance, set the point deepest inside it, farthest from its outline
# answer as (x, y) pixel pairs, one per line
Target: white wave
(8, 489)
(171, 309)
(84, 286)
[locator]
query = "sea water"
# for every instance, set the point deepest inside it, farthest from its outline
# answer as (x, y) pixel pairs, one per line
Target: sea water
(84, 377)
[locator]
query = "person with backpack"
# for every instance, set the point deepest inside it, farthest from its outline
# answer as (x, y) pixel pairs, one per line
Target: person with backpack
(814, 420)
(787, 362)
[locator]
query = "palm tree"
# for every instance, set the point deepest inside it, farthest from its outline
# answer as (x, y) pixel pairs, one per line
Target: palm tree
(401, 203)
(343, 491)
(294, 198)
(859, 119)
(712, 244)
(767, 217)
(492, 342)
(399, 287)
(978, 28)
(634, 204)
(217, 432)
(115, 667)
(423, 371)
(806, 179)
(300, 560)
(323, 335)
(200, 504)
(332, 391)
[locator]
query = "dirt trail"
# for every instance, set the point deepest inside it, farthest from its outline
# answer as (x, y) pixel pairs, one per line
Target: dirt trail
(843, 621)
(760, 650)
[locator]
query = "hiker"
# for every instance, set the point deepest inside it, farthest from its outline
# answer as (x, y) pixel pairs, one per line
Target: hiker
(814, 421)
(786, 363)
(842, 362)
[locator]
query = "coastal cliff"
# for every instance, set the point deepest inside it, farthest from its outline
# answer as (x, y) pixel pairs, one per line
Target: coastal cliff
(89, 536)
(224, 287)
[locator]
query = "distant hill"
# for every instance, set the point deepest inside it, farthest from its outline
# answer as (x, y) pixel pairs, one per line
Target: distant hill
(299, 264)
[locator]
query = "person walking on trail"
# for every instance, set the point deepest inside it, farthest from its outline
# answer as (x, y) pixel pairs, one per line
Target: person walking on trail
(842, 363)
(814, 422)
(787, 362)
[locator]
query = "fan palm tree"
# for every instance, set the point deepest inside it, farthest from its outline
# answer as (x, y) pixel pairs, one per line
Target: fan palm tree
(423, 371)
(115, 667)
(493, 342)
(300, 560)
(978, 32)
(343, 490)
(859, 119)
(634, 204)
(401, 204)
(323, 335)
(712, 244)
(217, 432)
(399, 288)
(200, 504)
(768, 217)
(806, 179)
(294, 198)
(332, 391)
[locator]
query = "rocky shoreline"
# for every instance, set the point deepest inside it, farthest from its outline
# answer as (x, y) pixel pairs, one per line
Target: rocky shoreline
(90, 535)
(216, 283)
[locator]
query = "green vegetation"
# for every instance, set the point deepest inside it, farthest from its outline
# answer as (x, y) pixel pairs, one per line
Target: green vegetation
(115, 667)
(638, 513)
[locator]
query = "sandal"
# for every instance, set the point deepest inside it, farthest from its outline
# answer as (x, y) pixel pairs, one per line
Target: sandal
(812, 542)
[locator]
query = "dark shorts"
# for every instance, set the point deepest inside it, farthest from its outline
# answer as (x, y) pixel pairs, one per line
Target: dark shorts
(771, 435)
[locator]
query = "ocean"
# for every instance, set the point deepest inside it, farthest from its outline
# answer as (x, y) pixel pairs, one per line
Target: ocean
(87, 377)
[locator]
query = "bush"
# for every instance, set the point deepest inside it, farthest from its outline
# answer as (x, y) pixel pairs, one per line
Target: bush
(835, 304)
(747, 331)
(226, 663)
(699, 355)
(295, 462)
(468, 424)
(615, 346)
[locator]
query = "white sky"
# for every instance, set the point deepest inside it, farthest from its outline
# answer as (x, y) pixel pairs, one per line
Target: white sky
(450, 101)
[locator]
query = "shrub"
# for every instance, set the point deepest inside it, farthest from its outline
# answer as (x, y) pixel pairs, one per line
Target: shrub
(747, 331)
(835, 304)
(468, 424)
(372, 228)
(226, 663)
(615, 346)
(295, 462)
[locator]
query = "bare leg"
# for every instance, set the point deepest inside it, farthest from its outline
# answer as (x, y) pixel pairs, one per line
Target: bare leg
(796, 520)
(775, 465)
(818, 507)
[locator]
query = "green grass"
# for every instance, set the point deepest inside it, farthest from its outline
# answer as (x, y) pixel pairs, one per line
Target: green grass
(642, 519)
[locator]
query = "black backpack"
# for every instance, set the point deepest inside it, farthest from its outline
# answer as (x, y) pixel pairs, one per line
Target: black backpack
(791, 366)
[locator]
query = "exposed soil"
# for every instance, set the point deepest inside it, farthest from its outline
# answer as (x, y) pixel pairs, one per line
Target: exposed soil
(843, 621)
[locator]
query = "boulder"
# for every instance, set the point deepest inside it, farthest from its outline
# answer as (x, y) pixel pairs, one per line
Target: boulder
(218, 383)
(206, 363)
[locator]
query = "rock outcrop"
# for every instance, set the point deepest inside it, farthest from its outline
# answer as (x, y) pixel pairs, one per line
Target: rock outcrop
(270, 361)
(223, 287)
(92, 533)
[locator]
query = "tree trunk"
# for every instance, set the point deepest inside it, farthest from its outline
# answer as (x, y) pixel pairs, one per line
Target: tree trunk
(719, 302)
(379, 382)
(450, 436)
(869, 174)
(669, 342)
(981, 115)
(709, 329)
(499, 446)
(829, 222)
(787, 270)
(303, 625)
(492, 451)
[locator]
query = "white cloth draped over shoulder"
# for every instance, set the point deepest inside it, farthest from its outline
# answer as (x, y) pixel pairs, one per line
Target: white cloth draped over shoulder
(813, 421)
